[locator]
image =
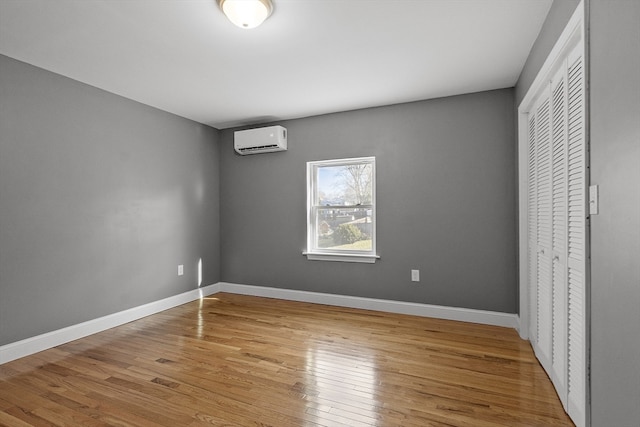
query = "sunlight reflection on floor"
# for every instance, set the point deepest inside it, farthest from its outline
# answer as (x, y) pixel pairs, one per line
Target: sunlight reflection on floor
(343, 381)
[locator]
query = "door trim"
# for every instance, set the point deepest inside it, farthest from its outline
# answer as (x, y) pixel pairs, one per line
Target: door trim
(572, 34)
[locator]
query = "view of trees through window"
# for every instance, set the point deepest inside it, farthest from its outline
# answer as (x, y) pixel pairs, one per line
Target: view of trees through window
(344, 207)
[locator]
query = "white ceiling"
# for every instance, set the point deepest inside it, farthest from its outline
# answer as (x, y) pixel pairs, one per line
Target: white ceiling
(310, 57)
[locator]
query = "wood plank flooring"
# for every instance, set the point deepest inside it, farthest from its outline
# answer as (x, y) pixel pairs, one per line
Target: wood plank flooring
(232, 360)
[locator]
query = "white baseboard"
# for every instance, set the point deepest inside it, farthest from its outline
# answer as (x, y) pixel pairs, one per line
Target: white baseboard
(522, 331)
(42, 342)
(425, 310)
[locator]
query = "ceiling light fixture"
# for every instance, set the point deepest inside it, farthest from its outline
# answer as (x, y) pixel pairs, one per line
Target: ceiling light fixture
(246, 13)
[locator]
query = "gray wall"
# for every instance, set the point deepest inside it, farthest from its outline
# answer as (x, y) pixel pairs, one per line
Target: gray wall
(615, 232)
(556, 20)
(446, 204)
(100, 199)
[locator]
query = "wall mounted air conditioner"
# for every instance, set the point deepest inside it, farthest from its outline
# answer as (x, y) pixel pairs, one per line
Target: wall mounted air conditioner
(260, 140)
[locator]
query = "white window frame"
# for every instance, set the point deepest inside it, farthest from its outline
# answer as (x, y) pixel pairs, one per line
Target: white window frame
(327, 254)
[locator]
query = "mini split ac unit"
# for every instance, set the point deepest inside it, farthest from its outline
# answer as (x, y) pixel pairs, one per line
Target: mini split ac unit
(260, 140)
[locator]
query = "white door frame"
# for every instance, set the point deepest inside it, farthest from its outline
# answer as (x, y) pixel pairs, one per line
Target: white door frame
(573, 35)
(573, 32)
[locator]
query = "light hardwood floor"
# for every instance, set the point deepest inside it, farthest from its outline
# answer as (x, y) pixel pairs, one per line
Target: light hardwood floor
(232, 360)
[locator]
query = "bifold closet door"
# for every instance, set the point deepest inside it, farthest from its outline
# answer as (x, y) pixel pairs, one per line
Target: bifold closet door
(543, 232)
(556, 232)
(559, 180)
(577, 237)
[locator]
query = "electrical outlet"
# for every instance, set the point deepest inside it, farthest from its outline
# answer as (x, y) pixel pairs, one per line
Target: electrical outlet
(415, 275)
(180, 270)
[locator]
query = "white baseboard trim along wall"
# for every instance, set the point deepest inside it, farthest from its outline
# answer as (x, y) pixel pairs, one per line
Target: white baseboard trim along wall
(42, 342)
(399, 307)
(51, 339)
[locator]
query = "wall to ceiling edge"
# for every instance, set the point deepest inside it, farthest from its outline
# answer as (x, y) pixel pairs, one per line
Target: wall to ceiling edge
(554, 24)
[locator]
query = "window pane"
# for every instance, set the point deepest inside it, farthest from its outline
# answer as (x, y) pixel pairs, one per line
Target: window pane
(344, 229)
(347, 185)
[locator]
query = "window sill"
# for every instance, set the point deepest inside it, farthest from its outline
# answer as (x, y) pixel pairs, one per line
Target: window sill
(315, 256)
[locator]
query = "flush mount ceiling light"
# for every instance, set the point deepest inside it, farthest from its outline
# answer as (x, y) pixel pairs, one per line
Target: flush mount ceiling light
(246, 13)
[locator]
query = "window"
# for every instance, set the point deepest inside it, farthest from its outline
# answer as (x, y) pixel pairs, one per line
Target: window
(341, 210)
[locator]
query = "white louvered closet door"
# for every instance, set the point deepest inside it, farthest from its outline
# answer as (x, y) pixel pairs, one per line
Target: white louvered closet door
(577, 237)
(532, 230)
(559, 133)
(556, 232)
(543, 230)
